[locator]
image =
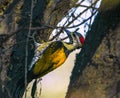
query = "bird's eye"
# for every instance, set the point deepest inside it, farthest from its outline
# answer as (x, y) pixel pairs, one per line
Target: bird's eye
(74, 35)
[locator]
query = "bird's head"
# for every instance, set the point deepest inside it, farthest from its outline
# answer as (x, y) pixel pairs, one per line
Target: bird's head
(75, 38)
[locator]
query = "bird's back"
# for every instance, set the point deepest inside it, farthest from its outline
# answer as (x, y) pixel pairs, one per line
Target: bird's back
(53, 56)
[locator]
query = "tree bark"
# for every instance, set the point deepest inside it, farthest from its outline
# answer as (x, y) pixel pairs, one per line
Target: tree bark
(97, 68)
(15, 20)
(15, 16)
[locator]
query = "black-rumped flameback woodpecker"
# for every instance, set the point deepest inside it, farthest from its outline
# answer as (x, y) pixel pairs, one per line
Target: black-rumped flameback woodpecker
(50, 55)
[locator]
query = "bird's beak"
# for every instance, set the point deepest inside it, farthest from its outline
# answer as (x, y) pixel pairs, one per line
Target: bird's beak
(68, 32)
(69, 35)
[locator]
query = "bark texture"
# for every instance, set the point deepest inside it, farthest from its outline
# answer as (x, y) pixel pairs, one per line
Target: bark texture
(99, 74)
(14, 28)
(97, 68)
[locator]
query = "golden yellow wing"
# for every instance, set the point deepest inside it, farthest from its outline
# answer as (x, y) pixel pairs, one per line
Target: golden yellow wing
(53, 57)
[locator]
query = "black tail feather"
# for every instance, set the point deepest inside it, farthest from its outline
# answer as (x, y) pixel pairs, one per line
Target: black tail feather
(20, 88)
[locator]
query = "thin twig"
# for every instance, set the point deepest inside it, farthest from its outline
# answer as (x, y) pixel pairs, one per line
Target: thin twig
(26, 48)
(81, 13)
(11, 45)
(88, 6)
(46, 26)
(83, 21)
(69, 23)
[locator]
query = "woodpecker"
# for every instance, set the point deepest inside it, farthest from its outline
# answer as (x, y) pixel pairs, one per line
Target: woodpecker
(52, 54)
(47, 57)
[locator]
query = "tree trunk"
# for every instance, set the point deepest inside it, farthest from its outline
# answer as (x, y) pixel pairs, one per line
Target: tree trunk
(15, 16)
(97, 68)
